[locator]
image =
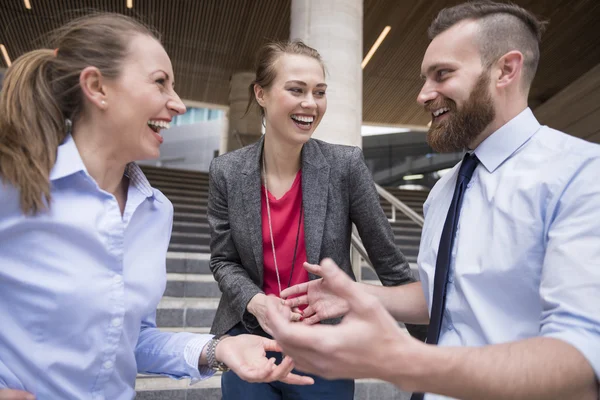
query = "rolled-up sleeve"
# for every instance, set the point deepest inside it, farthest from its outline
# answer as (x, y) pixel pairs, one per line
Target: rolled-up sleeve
(570, 281)
(171, 354)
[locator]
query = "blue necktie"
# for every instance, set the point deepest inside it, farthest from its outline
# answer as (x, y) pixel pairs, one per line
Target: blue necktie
(445, 252)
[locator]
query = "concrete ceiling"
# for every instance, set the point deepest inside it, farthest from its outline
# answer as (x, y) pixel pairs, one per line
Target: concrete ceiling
(209, 40)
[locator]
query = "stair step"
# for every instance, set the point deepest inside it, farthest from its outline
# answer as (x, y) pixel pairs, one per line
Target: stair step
(194, 181)
(187, 208)
(189, 248)
(191, 227)
(164, 388)
(176, 312)
(192, 285)
(193, 238)
(188, 263)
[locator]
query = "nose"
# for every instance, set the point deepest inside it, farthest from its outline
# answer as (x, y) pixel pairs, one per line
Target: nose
(309, 102)
(175, 105)
(427, 93)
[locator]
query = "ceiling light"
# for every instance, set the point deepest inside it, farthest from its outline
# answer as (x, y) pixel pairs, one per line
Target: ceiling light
(27, 4)
(5, 54)
(129, 3)
(376, 45)
(412, 177)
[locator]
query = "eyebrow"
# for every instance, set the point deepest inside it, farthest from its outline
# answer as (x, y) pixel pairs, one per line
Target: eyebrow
(320, 85)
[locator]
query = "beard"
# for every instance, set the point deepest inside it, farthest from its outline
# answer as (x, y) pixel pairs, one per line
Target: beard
(461, 127)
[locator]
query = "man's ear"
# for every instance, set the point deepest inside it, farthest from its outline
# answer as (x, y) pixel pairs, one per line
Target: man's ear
(509, 69)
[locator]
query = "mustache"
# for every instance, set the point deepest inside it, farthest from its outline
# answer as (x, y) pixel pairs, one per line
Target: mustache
(440, 103)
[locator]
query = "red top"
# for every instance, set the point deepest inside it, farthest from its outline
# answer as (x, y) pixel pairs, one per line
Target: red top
(285, 215)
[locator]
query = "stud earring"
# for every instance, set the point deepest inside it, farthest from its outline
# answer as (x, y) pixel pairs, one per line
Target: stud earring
(103, 103)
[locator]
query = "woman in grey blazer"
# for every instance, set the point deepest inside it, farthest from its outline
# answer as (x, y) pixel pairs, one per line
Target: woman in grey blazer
(286, 200)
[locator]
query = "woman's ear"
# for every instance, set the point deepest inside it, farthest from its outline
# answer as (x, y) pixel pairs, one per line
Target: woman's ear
(259, 94)
(91, 83)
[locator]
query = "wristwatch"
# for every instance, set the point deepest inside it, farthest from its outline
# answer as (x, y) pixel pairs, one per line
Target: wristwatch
(211, 357)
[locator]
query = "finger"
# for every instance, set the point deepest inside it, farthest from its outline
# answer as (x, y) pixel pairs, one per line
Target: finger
(279, 319)
(294, 379)
(296, 301)
(297, 310)
(285, 374)
(10, 394)
(271, 345)
(312, 320)
(313, 268)
(295, 317)
(342, 286)
(296, 289)
(308, 312)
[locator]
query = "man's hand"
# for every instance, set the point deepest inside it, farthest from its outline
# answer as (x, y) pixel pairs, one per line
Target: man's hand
(258, 307)
(9, 394)
(246, 356)
(322, 303)
(363, 345)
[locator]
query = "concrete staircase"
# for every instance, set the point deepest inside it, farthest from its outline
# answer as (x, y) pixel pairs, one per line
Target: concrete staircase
(191, 296)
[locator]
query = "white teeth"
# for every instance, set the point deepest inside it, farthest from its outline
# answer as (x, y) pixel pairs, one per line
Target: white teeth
(159, 124)
(303, 118)
(437, 113)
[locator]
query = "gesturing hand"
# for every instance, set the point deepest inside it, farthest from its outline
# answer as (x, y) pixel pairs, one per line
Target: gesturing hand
(258, 307)
(368, 343)
(246, 356)
(322, 303)
(10, 394)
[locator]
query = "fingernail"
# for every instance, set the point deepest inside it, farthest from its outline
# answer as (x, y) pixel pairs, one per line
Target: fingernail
(30, 397)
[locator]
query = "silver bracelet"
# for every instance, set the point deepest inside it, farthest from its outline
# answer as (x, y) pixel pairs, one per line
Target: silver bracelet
(211, 357)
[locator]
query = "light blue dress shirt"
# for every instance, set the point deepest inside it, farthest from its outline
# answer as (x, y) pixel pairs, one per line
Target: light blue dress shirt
(526, 256)
(79, 287)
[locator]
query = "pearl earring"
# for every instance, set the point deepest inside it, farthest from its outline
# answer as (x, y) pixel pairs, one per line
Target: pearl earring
(103, 103)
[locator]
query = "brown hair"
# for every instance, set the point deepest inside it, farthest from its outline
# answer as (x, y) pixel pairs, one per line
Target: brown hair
(502, 27)
(265, 64)
(41, 90)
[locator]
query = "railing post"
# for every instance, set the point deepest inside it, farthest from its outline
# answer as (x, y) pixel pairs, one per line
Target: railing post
(356, 261)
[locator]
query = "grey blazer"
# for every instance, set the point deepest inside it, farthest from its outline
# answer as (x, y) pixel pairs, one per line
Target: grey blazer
(337, 190)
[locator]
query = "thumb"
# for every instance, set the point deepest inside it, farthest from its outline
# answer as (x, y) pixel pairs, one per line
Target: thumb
(10, 394)
(313, 268)
(341, 285)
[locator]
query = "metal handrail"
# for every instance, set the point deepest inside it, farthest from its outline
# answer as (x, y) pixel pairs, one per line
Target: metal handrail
(238, 137)
(357, 244)
(398, 205)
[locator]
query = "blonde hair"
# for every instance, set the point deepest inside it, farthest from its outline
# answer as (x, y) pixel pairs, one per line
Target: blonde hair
(41, 90)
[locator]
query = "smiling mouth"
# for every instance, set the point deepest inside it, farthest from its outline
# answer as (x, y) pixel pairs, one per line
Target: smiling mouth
(303, 121)
(156, 126)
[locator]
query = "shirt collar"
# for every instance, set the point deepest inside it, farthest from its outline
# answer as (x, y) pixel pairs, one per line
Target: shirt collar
(69, 162)
(500, 145)
(139, 181)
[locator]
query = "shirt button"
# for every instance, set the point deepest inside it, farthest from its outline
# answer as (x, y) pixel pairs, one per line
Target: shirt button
(116, 322)
(107, 364)
(117, 279)
(450, 327)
